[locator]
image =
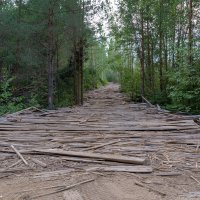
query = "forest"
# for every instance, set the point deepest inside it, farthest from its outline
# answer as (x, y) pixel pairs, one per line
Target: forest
(52, 51)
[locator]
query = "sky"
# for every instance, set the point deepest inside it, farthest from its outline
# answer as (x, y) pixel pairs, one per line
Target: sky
(97, 18)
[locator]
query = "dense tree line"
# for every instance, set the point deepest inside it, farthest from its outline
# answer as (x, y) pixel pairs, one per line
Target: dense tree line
(160, 39)
(51, 51)
(42, 51)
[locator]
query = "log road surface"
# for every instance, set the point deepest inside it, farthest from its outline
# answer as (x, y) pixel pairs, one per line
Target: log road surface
(107, 149)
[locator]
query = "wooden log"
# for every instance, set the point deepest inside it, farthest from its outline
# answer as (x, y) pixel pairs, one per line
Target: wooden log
(81, 160)
(107, 157)
(36, 161)
(101, 145)
(168, 174)
(131, 169)
(148, 102)
(20, 155)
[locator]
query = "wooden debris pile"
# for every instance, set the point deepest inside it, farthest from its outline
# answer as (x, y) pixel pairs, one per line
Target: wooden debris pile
(107, 134)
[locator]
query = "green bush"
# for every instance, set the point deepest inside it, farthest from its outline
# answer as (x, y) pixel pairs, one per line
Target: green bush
(92, 79)
(184, 89)
(130, 82)
(8, 102)
(112, 76)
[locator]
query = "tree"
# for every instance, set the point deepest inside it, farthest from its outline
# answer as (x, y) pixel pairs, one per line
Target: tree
(164, 37)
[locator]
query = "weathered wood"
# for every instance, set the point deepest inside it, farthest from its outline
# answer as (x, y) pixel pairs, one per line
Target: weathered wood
(168, 174)
(20, 155)
(81, 160)
(101, 145)
(131, 169)
(108, 157)
(39, 162)
(148, 102)
(155, 134)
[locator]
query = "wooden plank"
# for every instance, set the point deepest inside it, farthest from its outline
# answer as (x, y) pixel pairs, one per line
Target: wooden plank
(130, 169)
(107, 157)
(101, 145)
(36, 161)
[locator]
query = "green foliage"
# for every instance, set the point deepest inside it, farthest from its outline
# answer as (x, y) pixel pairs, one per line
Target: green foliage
(92, 79)
(163, 37)
(64, 88)
(95, 66)
(112, 76)
(8, 102)
(184, 89)
(26, 43)
(130, 82)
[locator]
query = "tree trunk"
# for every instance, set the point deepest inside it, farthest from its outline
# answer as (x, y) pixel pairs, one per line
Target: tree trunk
(149, 55)
(50, 59)
(152, 64)
(78, 73)
(142, 54)
(81, 71)
(161, 48)
(17, 56)
(190, 35)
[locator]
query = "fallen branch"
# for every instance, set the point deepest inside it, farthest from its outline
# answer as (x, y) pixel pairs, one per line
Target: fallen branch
(19, 154)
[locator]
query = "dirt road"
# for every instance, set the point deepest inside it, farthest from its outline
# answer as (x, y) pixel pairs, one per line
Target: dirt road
(106, 125)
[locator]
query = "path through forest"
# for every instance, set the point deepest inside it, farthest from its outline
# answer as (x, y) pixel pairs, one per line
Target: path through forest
(92, 149)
